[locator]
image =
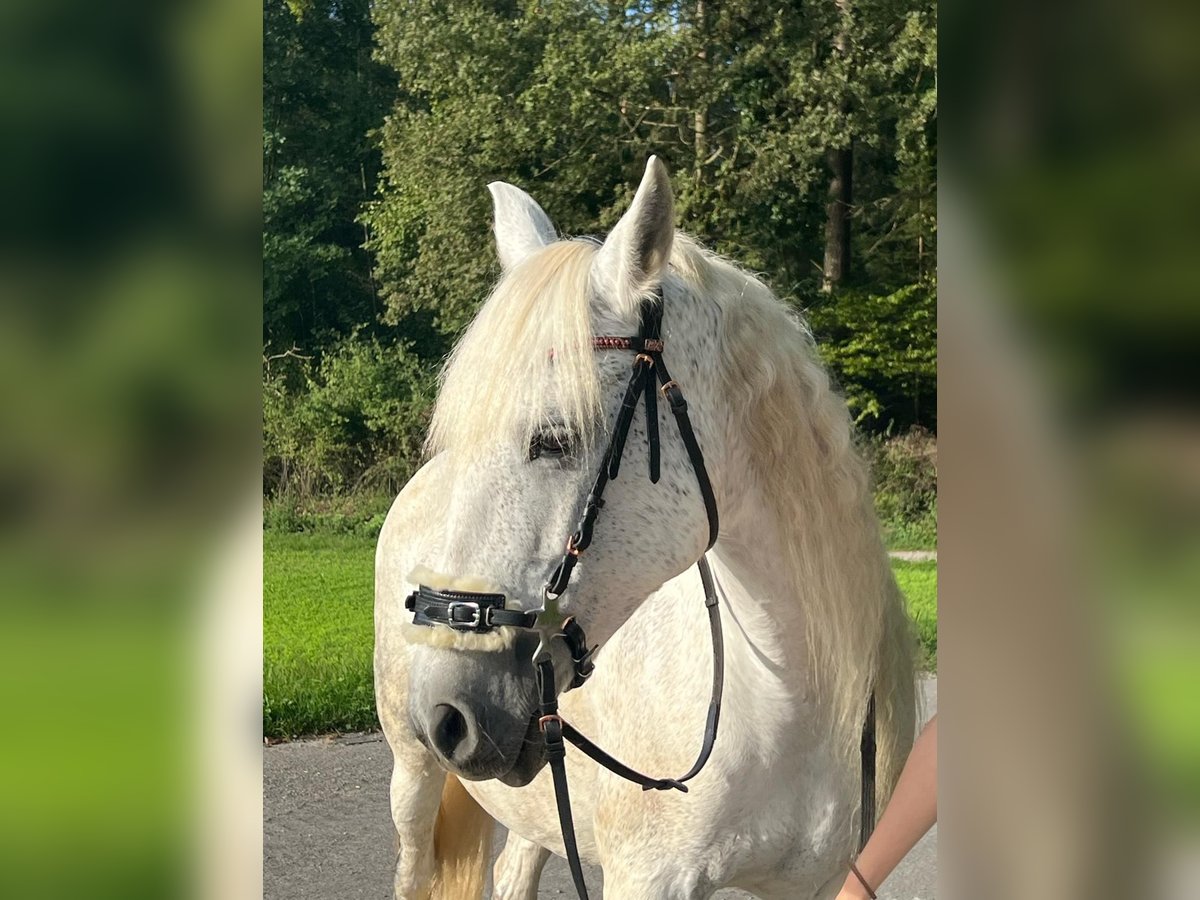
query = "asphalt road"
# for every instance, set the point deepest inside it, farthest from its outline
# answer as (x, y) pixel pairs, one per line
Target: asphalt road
(327, 831)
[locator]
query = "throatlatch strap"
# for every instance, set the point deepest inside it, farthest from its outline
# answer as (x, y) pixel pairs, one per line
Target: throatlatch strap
(651, 396)
(652, 331)
(718, 674)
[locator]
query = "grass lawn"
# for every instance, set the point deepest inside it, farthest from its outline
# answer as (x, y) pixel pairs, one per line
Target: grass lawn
(318, 630)
(918, 581)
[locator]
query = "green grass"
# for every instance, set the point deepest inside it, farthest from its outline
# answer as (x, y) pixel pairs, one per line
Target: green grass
(318, 630)
(918, 581)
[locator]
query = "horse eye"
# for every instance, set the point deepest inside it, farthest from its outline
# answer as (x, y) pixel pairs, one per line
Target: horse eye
(553, 444)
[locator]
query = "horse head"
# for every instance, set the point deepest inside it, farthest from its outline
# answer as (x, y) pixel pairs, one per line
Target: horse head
(530, 402)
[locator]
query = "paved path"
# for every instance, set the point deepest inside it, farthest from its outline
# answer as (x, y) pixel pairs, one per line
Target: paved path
(327, 832)
(914, 555)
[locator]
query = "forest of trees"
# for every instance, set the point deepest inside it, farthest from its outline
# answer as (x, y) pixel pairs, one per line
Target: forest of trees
(801, 138)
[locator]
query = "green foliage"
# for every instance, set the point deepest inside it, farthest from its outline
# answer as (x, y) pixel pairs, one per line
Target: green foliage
(360, 515)
(883, 351)
(385, 120)
(322, 95)
(913, 534)
(318, 630)
(904, 471)
(742, 101)
(353, 421)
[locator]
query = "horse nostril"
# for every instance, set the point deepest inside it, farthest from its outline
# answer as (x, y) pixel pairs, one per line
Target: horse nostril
(449, 729)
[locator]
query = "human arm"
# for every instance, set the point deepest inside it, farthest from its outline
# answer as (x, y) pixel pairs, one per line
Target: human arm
(909, 815)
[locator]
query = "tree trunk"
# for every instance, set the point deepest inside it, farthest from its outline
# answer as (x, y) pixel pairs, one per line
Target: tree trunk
(838, 198)
(700, 120)
(837, 218)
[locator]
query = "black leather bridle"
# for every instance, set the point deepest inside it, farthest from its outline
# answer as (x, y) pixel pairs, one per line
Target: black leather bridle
(468, 611)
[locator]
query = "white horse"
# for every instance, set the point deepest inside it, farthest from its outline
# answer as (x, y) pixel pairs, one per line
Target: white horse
(812, 617)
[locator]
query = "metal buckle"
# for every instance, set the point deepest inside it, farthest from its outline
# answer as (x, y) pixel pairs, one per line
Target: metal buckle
(471, 624)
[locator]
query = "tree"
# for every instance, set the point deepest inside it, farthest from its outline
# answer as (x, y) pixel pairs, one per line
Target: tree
(385, 119)
(840, 159)
(323, 94)
(766, 114)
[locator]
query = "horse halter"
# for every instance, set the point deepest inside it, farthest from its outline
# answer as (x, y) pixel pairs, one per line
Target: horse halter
(481, 613)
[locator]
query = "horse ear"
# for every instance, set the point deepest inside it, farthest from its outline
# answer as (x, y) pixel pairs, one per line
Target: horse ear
(633, 257)
(521, 226)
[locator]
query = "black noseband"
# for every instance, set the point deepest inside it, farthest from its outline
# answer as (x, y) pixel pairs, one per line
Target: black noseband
(465, 610)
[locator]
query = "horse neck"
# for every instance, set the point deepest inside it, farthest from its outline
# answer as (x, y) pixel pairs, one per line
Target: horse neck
(756, 588)
(768, 600)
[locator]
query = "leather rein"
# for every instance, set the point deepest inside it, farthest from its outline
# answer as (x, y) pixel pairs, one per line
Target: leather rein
(469, 611)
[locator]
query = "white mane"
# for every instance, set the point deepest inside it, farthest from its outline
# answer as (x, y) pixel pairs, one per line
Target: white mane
(801, 452)
(536, 320)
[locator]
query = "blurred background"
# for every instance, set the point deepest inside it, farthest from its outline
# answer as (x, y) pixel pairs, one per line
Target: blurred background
(147, 353)
(1070, 451)
(129, 437)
